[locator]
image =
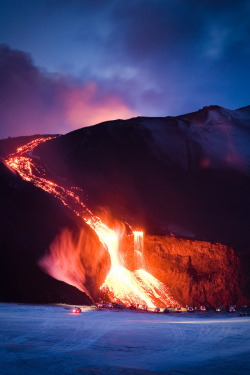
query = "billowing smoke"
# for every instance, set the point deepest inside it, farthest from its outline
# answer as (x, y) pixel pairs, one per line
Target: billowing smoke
(33, 101)
(77, 260)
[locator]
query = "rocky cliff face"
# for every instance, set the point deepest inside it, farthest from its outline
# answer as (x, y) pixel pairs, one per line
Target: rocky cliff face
(197, 272)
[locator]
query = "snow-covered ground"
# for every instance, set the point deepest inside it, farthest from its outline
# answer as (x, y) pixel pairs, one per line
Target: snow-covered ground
(43, 340)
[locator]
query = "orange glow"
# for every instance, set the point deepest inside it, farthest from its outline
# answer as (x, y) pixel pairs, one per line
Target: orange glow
(81, 106)
(64, 260)
(138, 287)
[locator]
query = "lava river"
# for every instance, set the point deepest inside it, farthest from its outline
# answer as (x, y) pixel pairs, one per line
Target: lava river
(139, 286)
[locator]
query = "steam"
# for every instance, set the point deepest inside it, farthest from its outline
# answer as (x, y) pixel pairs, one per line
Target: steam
(74, 259)
(64, 260)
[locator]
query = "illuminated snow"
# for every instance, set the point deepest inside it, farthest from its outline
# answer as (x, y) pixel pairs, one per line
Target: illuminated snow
(51, 340)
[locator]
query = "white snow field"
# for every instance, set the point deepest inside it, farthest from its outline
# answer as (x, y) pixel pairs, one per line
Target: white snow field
(51, 340)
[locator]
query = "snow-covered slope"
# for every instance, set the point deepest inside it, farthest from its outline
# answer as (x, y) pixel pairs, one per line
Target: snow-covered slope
(213, 137)
(51, 340)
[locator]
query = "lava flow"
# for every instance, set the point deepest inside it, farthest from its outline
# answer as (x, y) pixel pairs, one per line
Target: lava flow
(121, 284)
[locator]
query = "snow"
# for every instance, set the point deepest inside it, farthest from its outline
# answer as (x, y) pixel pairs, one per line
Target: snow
(220, 136)
(51, 340)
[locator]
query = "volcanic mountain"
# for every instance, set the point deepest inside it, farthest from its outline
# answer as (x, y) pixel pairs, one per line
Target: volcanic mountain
(185, 180)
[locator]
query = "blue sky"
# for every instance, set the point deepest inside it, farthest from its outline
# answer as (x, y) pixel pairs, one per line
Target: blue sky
(67, 64)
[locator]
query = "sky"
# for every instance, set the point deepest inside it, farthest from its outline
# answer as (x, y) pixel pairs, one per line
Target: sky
(65, 64)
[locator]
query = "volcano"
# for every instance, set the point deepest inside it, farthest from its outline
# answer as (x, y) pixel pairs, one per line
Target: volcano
(185, 180)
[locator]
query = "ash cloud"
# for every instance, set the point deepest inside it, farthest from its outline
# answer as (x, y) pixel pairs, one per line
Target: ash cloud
(34, 101)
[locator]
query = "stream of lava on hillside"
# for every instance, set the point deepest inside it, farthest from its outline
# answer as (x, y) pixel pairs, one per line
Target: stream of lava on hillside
(121, 284)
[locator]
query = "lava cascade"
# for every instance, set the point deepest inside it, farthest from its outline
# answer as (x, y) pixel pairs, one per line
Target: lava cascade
(121, 284)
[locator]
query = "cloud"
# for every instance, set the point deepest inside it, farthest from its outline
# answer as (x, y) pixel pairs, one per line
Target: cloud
(171, 57)
(34, 101)
(143, 57)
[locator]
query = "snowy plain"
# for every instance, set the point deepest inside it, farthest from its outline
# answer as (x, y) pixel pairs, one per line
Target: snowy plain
(40, 339)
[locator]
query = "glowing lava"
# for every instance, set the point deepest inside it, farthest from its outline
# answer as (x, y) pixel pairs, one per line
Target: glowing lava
(139, 286)
(121, 285)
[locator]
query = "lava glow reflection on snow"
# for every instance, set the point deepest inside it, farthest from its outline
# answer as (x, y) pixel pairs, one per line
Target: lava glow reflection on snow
(121, 284)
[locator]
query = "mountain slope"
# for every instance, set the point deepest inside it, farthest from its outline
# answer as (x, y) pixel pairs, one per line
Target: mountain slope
(164, 173)
(187, 177)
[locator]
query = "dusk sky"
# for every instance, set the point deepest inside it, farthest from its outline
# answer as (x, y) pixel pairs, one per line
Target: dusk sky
(65, 64)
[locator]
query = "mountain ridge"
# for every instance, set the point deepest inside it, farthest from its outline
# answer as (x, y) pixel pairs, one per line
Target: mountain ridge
(186, 176)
